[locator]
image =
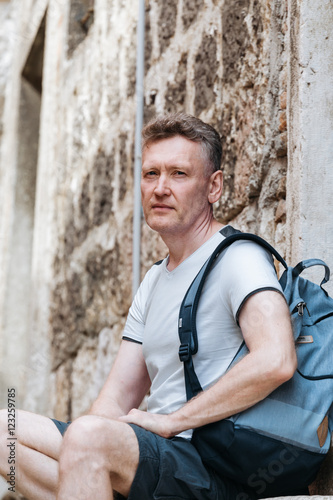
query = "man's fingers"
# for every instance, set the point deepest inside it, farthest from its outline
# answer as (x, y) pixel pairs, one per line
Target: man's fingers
(156, 423)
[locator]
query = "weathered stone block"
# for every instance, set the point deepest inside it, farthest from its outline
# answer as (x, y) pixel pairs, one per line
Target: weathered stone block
(280, 214)
(102, 188)
(63, 386)
(80, 19)
(83, 390)
(80, 223)
(205, 71)
(176, 90)
(126, 159)
(235, 37)
(67, 317)
(167, 22)
(281, 144)
(191, 10)
(148, 38)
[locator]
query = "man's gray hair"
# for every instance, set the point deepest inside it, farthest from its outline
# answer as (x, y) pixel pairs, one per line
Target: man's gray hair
(190, 127)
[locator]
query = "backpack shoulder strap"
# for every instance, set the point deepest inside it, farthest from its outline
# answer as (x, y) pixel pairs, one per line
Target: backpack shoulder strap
(187, 314)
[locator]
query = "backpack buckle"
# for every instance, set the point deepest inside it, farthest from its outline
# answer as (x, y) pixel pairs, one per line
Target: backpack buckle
(184, 352)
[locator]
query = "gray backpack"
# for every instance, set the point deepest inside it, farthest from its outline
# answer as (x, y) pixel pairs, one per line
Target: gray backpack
(276, 446)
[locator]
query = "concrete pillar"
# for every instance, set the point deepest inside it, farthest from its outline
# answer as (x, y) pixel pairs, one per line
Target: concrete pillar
(16, 305)
(310, 169)
(310, 156)
(19, 361)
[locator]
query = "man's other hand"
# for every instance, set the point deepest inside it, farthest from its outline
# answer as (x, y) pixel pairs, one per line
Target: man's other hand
(153, 422)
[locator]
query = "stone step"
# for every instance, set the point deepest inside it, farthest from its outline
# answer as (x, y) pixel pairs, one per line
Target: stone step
(304, 497)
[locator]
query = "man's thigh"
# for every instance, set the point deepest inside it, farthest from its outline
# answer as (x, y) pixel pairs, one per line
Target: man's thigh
(172, 468)
(35, 449)
(34, 431)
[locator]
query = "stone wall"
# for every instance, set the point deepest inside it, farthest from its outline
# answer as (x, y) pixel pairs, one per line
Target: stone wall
(220, 61)
(224, 61)
(91, 287)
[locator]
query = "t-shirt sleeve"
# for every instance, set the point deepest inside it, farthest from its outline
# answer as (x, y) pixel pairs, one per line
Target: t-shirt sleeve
(246, 268)
(135, 323)
(134, 326)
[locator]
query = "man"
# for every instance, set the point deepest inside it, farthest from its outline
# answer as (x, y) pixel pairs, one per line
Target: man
(118, 447)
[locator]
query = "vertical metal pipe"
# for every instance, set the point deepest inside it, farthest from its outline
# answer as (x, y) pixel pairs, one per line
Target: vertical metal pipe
(137, 164)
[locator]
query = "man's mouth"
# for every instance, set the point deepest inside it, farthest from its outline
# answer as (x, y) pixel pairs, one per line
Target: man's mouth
(161, 206)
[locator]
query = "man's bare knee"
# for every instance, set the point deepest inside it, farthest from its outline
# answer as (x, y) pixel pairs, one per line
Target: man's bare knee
(92, 433)
(106, 444)
(85, 433)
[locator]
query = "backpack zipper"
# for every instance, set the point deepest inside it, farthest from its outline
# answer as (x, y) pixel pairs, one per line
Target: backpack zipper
(300, 308)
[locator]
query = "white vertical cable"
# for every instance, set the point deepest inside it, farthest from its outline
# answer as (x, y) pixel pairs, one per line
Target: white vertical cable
(137, 163)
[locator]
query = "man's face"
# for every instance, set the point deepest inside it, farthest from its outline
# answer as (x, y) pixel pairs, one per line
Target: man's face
(174, 185)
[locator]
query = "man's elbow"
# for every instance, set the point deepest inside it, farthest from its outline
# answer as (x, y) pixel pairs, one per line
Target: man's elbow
(289, 369)
(283, 368)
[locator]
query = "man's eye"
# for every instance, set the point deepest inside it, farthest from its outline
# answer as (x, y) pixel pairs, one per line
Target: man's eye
(179, 173)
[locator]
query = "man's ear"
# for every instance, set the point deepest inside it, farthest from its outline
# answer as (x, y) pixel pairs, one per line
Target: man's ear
(215, 186)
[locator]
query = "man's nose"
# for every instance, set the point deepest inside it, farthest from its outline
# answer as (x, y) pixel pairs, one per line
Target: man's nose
(162, 186)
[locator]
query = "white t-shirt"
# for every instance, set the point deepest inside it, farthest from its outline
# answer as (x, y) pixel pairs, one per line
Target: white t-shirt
(240, 270)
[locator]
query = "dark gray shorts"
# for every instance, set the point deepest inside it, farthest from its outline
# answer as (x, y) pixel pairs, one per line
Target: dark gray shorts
(61, 426)
(171, 469)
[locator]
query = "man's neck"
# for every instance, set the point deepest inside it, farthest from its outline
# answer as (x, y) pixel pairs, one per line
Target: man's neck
(181, 246)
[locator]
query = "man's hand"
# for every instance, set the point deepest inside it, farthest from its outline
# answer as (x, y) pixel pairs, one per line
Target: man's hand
(153, 422)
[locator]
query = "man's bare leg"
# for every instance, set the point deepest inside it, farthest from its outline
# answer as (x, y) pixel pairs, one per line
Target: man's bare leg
(98, 455)
(37, 450)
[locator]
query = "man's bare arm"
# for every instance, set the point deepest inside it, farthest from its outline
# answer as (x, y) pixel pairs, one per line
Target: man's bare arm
(266, 327)
(126, 385)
